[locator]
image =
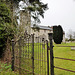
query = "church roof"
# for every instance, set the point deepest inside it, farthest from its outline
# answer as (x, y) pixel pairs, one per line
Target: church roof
(42, 27)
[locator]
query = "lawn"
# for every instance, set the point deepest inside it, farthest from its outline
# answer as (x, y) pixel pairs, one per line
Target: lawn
(40, 60)
(64, 52)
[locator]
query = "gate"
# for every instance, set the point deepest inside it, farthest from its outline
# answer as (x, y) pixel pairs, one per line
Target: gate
(40, 56)
(30, 56)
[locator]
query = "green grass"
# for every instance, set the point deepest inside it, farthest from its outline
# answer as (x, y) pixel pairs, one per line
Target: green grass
(64, 52)
(40, 60)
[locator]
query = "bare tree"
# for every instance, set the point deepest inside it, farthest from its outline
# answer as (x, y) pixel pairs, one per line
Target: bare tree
(70, 34)
(74, 35)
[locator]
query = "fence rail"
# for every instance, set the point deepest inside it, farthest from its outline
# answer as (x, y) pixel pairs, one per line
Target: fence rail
(64, 69)
(65, 46)
(64, 58)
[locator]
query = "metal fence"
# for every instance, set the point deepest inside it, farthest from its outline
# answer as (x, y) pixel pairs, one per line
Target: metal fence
(64, 59)
(52, 58)
(22, 55)
(30, 56)
(34, 56)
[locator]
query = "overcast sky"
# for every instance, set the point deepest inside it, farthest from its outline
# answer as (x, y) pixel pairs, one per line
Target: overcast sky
(60, 12)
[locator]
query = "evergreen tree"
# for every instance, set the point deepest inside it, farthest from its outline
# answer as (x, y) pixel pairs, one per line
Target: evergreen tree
(4, 24)
(57, 34)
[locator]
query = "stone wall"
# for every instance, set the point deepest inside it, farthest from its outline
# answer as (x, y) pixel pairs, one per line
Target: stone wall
(42, 33)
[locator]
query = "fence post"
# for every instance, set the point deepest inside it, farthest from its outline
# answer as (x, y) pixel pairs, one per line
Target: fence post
(47, 59)
(51, 54)
(33, 53)
(13, 44)
(19, 42)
